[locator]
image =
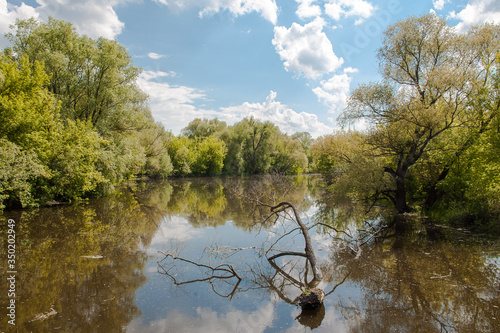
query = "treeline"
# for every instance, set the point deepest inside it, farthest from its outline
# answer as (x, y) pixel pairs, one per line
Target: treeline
(249, 147)
(432, 137)
(75, 124)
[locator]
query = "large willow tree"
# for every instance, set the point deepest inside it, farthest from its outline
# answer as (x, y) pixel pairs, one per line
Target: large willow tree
(95, 82)
(438, 96)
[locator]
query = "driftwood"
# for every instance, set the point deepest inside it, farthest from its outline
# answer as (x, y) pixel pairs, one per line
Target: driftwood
(311, 299)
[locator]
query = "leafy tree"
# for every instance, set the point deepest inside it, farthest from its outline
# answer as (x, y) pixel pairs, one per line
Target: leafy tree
(289, 156)
(28, 111)
(18, 171)
(181, 155)
(306, 141)
(256, 143)
(95, 82)
(155, 141)
(210, 153)
(203, 128)
(94, 79)
(57, 159)
(430, 73)
(234, 162)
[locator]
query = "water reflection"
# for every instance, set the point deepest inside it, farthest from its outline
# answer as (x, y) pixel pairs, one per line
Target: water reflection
(95, 264)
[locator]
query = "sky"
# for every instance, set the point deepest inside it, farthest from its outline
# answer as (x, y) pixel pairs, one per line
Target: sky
(291, 62)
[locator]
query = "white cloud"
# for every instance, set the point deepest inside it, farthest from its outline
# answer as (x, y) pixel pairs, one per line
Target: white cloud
(8, 15)
(439, 4)
(208, 320)
(307, 9)
(173, 228)
(172, 105)
(151, 75)
(267, 8)
(477, 12)
(286, 119)
(155, 56)
(335, 91)
(91, 17)
(357, 8)
(306, 49)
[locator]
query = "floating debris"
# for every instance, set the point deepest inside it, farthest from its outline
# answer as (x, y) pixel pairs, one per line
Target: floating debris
(43, 316)
(92, 257)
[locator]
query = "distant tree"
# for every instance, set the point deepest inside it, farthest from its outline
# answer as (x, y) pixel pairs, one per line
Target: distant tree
(210, 153)
(203, 128)
(257, 144)
(182, 155)
(289, 156)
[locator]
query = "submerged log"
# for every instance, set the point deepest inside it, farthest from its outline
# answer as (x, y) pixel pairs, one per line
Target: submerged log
(311, 299)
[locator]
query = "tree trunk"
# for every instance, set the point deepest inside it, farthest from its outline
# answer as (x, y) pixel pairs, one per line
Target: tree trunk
(308, 250)
(400, 196)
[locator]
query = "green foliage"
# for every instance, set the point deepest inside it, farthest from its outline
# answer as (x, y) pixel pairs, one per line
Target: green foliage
(56, 158)
(181, 156)
(252, 145)
(78, 124)
(28, 111)
(93, 79)
(428, 119)
(18, 171)
(210, 153)
(81, 113)
(74, 154)
(289, 156)
(197, 156)
(203, 128)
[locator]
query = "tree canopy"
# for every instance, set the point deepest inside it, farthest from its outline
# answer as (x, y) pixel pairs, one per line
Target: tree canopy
(438, 102)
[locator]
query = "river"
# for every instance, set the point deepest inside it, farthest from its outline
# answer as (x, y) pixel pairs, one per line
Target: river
(189, 255)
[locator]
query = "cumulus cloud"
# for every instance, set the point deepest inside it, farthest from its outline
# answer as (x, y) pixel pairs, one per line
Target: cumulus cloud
(172, 105)
(306, 50)
(439, 4)
(95, 18)
(288, 120)
(307, 9)
(477, 12)
(335, 91)
(155, 56)
(174, 228)
(360, 9)
(208, 320)
(175, 106)
(267, 8)
(8, 15)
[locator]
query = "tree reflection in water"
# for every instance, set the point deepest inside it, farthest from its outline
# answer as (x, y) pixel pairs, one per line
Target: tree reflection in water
(427, 279)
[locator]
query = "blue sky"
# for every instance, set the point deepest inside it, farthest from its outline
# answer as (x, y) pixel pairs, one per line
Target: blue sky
(292, 62)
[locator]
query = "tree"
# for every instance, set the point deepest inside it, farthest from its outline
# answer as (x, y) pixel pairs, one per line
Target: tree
(289, 156)
(430, 73)
(57, 159)
(181, 155)
(210, 153)
(256, 142)
(203, 128)
(94, 79)
(18, 171)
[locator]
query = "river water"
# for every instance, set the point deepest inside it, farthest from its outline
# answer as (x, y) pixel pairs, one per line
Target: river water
(189, 255)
